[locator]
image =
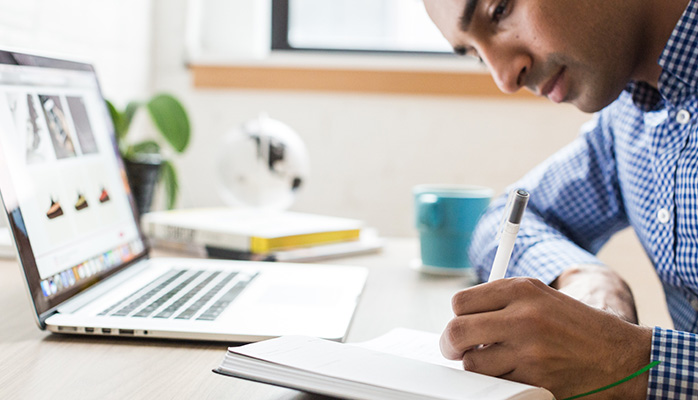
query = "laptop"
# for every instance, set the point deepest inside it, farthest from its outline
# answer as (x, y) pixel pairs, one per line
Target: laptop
(84, 258)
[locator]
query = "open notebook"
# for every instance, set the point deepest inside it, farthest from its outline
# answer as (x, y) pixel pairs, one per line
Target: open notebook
(402, 364)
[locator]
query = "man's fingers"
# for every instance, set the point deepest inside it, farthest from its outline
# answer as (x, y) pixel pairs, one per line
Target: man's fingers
(483, 315)
(493, 360)
(495, 295)
(466, 332)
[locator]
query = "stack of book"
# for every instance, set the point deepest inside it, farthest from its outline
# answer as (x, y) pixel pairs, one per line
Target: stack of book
(258, 234)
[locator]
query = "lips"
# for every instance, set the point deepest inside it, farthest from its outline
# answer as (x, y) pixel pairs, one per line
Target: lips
(556, 88)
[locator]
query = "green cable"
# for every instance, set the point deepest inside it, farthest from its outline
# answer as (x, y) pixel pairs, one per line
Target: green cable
(627, 378)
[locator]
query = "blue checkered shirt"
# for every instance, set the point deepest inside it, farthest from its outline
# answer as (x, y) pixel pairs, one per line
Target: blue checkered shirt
(635, 164)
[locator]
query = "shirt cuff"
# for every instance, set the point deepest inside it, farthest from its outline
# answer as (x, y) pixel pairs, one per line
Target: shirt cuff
(676, 377)
(546, 260)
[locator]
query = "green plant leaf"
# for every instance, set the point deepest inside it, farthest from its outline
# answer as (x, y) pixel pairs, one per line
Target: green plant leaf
(127, 115)
(146, 146)
(116, 119)
(171, 119)
(122, 120)
(169, 178)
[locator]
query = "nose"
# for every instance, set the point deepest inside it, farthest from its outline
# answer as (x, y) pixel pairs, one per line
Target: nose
(509, 69)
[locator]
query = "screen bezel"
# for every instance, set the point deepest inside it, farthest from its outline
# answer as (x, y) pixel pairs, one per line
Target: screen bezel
(43, 306)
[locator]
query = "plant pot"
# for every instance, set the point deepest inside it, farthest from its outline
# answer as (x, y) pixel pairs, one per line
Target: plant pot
(143, 174)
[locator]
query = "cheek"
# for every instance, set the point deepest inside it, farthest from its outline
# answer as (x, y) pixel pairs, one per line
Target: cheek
(529, 28)
(552, 26)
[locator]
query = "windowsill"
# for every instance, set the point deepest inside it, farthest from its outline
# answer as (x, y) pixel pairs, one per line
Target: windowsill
(339, 72)
(342, 60)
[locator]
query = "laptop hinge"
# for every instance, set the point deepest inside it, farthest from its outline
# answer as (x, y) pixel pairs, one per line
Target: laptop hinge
(43, 317)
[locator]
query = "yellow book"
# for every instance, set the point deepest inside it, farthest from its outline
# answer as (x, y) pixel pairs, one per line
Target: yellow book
(266, 245)
(251, 230)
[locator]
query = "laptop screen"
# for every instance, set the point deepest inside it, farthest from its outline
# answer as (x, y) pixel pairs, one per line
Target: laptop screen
(61, 179)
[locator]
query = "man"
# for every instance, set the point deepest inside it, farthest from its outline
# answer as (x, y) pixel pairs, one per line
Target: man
(635, 63)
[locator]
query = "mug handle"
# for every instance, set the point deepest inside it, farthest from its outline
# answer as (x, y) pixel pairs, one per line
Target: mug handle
(427, 210)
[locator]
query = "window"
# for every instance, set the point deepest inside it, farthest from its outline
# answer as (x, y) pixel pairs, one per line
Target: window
(400, 26)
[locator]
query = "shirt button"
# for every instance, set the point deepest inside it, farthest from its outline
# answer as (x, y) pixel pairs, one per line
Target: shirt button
(663, 215)
(683, 117)
(694, 304)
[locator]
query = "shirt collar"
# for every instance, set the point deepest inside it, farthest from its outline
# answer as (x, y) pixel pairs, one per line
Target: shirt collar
(679, 62)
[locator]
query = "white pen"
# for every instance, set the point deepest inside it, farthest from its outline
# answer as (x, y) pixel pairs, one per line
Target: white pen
(510, 228)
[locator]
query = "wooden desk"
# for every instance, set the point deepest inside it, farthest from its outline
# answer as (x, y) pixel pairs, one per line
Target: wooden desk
(38, 365)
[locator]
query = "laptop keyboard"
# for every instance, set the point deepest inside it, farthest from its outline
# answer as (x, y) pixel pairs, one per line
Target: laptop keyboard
(183, 295)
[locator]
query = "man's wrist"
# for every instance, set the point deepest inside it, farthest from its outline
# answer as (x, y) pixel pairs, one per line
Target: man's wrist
(575, 272)
(599, 287)
(633, 358)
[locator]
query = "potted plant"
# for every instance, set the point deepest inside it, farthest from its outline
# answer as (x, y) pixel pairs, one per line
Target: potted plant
(144, 160)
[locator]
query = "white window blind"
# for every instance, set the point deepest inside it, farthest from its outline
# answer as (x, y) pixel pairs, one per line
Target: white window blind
(377, 25)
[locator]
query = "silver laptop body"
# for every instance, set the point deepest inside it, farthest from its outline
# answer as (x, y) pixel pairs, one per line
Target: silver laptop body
(83, 255)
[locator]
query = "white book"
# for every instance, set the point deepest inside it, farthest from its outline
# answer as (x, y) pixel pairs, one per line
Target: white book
(369, 242)
(402, 364)
(252, 230)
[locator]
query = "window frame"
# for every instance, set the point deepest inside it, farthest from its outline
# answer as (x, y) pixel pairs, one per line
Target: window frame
(279, 37)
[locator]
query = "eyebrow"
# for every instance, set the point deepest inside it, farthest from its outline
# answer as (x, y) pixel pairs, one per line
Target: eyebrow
(468, 13)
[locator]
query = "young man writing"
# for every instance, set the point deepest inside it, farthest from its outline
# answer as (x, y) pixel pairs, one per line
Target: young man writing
(634, 63)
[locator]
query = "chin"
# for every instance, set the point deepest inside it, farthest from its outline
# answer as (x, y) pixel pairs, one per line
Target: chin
(593, 105)
(596, 101)
(588, 108)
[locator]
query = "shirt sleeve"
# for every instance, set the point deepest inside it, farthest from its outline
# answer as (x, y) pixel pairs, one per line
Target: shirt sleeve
(574, 208)
(676, 377)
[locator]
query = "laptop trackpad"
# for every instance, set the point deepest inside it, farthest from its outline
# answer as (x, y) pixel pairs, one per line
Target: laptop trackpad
(302, 296)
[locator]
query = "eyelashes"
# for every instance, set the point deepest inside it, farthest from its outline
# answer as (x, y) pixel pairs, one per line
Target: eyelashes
(468, 52)
(500, 10)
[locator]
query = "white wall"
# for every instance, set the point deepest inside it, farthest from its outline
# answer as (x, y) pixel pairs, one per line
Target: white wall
(115, 35)
(367, 152)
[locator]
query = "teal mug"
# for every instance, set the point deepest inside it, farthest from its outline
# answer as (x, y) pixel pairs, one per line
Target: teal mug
(445, 216)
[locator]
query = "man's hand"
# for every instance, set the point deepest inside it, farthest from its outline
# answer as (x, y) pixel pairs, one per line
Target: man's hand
(535, 334)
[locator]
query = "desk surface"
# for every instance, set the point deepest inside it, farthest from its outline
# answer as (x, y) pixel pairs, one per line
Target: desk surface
(35, 364)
